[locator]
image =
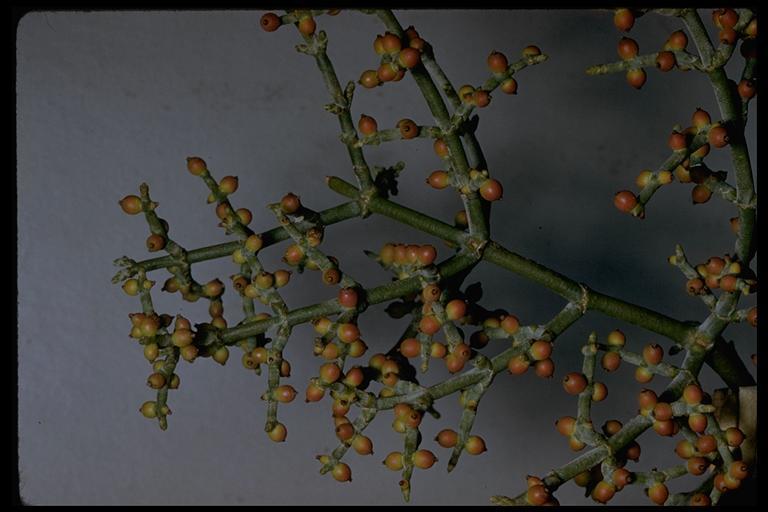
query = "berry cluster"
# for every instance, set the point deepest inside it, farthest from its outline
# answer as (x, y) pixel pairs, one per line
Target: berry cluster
(442, 309)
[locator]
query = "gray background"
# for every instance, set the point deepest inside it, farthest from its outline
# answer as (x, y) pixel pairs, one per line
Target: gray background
(107, 100)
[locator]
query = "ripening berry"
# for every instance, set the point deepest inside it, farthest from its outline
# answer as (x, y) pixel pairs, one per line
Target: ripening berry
(307, 25)
(426, 254)
(706, 444)
(611, 427)
(228, 185)
(616, 338)
(574, 383)
(362, 445)
(439, 179)
(314, 393)
(700, 500)
(636, 77)
(149, 409)
(700, 194)
(701, 119)
(341, 472)
(278, 433)
(347, 332)
(330, 373)
(697, 422)
(348, 297)
(662, 411)
(531, 51)
(284, 393)
(738, 470)
(694, 286)
(643, 375)
(665, 61)
(677, 41)
(410, 347)
(189, 353)
(455, 309)
(603, 492)
(599, 392)
(583, 479)
(423, 459)
(465, 93)
(623, 19)
(647, 400)
(566, 425)
(264, 280)
(221, 355)
(643, 178)
(510, 324)
(369, 79)
(685, 449)
(155, 242)
(131, 287)
(475, 445)
(248, 361)
(625, 201)
(409, 58)
(408, 128)
(491, 190)
(260, 355)
(734, 437)
(430, 293)
(429, 324)
(727, 36)
(718, 136)
(151, 351)
(611, 361)
(481, 98)
(345, 431)
(697, 465)
(652, 354)
(223, 211)
(621, 478)
(518, 364)
(213, 288)
(544, 368)
(752, 316)
(290, 203)
(387, 72)
(441, 148)
(394, 461)
(391, 43)
(627, 48)
(354, 377)
(724, 18)
(537, 495)
(447, 438)
(454, 363)
(196, 165)
(367, 125)
(632, 451)
(540, 349)
(131, 204)
(677, 141)
(156, 380)
(747, 89)
(270, 22)
(658, 493)
(509, 86)
(244, 215)
(692, 394)
(497, 62)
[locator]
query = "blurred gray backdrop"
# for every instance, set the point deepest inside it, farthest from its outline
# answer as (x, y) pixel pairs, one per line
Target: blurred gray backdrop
(107, 100)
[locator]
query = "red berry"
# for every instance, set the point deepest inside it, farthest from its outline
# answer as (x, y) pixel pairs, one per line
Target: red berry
(725, 18)
(544, 368)
(747, 89)
(285, 393)
(697, 465)
(531, 51)
(518, 364)
(652, 354)
(752, 316)
(387, 72)
(491, 190)
(348, 297)
(662, 411)
(410, 347)
(611, 361)
(677, 141)
(481, 98)
(647, 399)
(665, 60)
(621, 478)
(574, 383)
(426, 254)
(429, 324)
(540, 349)
(497, 62)
(700, 500)
(408, 129)
(692, 394)
(566, 425)
(728, 36)
(537, 495)
(348, 332)
(697, 422)
(454, 363)
(706, 444)
(625, 201)
(738, 470)
(270, 22)
(627, 48)
(623, 19)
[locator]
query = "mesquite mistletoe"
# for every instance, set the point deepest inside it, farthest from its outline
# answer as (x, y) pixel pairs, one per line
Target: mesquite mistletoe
(443, 311)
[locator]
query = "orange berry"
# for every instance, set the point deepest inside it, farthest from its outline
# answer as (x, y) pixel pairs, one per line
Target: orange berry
(636, 77)
(625, 201)
(665, 61)
(367, 125)
(623, 19)
(196, 165)
(369, 79)
(491, 190)
(658, 493)
(627, 48)
(307, 25)
(131, 204)
(270, 22)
